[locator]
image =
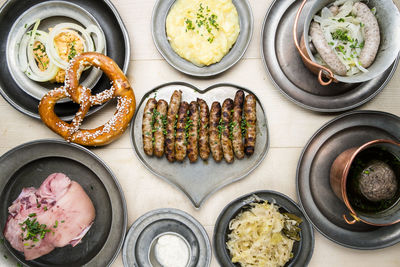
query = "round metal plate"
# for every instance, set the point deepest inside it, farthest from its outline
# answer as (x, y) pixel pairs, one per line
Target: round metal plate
(199, 180)
(302, 250)
(294, 80)
(320, 204)
(158, 21)
(152, 224)
(110, 22)
(61, 12)
(30, 164)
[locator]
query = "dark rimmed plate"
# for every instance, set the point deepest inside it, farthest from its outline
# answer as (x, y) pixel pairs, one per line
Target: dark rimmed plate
(302, 250)
(118, 48)
(154, 223)
(320, 204)
(294, 80)
(30, 164)
(158, 21)
(199, 180)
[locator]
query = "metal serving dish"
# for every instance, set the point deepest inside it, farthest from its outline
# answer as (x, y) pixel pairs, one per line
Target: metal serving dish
(29, 165)
(50, 14)
(158, 21)
(201, 179)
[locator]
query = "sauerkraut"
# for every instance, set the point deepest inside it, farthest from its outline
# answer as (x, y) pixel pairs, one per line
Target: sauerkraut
(259, 236)
(344, 32)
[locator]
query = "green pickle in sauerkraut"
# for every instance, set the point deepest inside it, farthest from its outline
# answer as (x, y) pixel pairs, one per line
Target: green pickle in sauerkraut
(262, 236)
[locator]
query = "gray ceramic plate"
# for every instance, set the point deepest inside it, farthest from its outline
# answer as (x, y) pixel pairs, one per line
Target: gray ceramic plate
(302, 250)
(110, 22)
(294, 80)
(30, 164)
(199, 180)
(160, 13)
(320, 204)
(149, 226)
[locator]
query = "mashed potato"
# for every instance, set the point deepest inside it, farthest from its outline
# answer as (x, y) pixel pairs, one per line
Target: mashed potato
(202, 31)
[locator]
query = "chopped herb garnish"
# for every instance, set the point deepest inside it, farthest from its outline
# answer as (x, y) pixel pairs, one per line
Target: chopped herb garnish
(55, 224)
(72, 51)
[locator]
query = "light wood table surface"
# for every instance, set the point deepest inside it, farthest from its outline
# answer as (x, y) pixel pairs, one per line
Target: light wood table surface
(290, 128)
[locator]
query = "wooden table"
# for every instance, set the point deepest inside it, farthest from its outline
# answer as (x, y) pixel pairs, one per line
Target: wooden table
(290, 129)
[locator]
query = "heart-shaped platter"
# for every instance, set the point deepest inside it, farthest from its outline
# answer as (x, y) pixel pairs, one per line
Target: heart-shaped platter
(199, 180)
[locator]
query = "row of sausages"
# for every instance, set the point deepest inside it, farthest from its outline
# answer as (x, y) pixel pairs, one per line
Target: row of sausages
(182, 129)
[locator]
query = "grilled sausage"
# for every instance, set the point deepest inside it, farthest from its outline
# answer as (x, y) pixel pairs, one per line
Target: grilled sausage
(204, 146)
(237, 140)
(147, 126)
(192, 147)
(372, 34)
(326, 52)
(159, 127)
(226, 142)
(215, 142)
(171, 122)
(251, 120)
(180, 141)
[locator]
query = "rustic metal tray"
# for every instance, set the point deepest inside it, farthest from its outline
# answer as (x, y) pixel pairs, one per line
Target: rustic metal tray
(201, 179)
(29, 165)
(289, 75)
(321, 206)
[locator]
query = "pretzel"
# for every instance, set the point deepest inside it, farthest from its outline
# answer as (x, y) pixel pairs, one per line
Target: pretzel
(81, 95)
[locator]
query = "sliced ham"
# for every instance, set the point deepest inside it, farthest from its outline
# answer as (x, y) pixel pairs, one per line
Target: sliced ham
(61, 205)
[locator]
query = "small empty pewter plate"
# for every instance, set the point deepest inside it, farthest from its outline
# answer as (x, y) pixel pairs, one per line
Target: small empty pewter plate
(200, 179)
(139, 243)
(50, 14)
(321, 206)
(31, 163)
(302, 250)
(158, 29)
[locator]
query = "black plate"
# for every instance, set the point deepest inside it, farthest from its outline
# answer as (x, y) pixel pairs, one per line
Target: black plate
(319, 202)
(302, 250)
(293, 79)
(30, 164)
(117, 42)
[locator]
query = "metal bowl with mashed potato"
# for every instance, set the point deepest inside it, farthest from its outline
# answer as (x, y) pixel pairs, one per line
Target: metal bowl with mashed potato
(203, 37)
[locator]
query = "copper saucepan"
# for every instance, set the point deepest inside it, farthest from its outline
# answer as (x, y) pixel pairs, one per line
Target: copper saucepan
(339, 176)
(388, 17)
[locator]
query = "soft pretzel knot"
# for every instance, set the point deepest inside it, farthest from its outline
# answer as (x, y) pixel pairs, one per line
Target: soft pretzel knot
(120, 89)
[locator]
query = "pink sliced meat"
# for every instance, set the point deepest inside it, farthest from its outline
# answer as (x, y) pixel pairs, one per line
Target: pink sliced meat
(61, 205)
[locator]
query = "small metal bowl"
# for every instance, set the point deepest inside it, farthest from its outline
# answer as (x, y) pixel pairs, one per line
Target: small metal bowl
(388, 17)
(152, 253)
(50, 13)
(158, 30)
(302, 250)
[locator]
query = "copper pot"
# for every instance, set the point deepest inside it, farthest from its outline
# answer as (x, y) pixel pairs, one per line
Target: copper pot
(338, 180)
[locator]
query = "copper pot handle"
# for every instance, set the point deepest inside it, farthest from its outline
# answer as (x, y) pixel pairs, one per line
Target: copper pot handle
(355, 218)
(323, 71)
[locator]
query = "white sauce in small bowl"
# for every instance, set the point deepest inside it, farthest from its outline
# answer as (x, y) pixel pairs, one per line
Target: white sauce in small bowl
(172, 250)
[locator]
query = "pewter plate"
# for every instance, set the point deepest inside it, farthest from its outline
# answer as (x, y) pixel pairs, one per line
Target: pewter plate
(199, 180)
(154, 223)
(29, 165)
(158, 29)
(302, 250)
(294, 80)
(110, 22)
(320, 204)
(50, 14)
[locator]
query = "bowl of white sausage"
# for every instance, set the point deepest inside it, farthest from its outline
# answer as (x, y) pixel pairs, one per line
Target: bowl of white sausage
(350, 41)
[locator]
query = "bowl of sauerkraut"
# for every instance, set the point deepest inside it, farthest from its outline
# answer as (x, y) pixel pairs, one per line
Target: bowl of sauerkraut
(265, 229)
(357, 40)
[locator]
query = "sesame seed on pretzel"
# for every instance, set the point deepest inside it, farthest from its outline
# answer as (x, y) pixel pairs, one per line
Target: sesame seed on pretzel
(81, 95)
